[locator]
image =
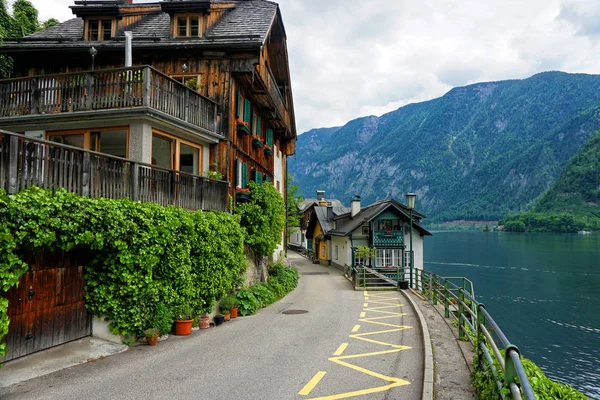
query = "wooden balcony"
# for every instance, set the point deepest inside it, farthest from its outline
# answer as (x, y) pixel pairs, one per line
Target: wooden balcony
(26, 162)
(119, 88)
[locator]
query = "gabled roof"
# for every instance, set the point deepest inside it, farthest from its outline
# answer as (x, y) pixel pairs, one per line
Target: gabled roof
(246, 25)
(307, 203)
(369, 213)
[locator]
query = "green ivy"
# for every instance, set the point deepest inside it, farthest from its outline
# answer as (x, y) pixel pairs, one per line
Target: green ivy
(138, 255)
(282, 280)
(263, 218)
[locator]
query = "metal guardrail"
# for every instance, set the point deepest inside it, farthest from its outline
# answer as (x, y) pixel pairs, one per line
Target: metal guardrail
(457, 295)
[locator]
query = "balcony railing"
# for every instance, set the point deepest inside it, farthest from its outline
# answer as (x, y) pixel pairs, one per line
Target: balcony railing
(388, 238)
(117, 88)
(26, 162)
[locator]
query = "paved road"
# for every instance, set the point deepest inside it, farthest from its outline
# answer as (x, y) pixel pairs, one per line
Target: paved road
(349, 344)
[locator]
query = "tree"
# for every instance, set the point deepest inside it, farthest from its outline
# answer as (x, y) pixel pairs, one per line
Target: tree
(25, 18)
(293, 201)
(50, 23)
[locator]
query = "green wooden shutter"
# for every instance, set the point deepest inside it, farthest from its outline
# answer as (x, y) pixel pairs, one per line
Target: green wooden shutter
(258, 178)
(267, 179)
(240, 104)
(258, 126)
(270, 137)
(247, 111)
(244, 175)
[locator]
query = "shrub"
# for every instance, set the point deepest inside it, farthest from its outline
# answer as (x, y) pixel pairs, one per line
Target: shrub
(137, 254)
(263, 218)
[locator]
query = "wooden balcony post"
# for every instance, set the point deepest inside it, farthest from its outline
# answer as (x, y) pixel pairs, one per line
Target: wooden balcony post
(135, 181)
(173, 179)
(85, 175)
(35, 96)
(90, 91)
(186, 105)
(13, 160)
(147, 86)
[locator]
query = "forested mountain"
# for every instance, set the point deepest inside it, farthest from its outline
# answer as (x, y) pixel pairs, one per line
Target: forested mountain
(480, 152)
(573, 202)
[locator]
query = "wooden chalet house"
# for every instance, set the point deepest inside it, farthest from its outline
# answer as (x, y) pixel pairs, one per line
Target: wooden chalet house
(204, 85)
(208, 89)
(336, 232)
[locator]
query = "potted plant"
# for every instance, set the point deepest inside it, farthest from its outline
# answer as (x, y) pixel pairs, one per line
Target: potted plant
(204, 321)
(183, 321)
(230, 304)
(268, 151)
(219, 319)
(243, 127)
(256, 142)
(226, 314)
(152, 336)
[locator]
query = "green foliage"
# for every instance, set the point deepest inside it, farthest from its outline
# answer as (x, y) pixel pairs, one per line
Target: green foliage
(160, 318)
(263, 218)
(294, 198)
(50, 23)
(138, 254)
(214, 173)
(543, 387)
(228, 302)
(365, 253)
(480, 152)
(152, 332)
(25, 18)
(282, 280)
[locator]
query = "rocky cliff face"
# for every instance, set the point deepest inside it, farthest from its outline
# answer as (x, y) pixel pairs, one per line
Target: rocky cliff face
(479, 152)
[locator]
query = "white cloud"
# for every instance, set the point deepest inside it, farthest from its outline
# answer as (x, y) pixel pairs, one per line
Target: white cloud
(351, 58)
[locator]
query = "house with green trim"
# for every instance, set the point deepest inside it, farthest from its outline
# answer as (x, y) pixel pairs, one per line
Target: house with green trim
(336, 233)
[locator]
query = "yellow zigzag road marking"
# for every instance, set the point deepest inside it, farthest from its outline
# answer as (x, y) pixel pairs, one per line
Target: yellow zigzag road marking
(338, 359)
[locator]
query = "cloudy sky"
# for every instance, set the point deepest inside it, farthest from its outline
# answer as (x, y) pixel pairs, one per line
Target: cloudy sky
(352, 58)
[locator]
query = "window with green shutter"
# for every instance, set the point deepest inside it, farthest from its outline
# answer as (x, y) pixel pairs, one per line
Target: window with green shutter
(258, 177)
(240, 104)
(267, 179)
(270, 137)
(244, 175)
(258, 126)
(247, 111)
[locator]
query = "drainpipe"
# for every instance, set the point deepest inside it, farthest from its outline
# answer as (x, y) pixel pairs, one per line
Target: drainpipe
(128, 49)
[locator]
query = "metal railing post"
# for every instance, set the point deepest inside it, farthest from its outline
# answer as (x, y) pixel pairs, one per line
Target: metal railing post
(435, 290)
(462, 332)
(480, 338)
(510, 373)
(446, 299)
(431, 285)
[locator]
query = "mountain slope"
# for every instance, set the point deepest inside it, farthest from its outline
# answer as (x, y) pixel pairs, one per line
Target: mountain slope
(479, 152)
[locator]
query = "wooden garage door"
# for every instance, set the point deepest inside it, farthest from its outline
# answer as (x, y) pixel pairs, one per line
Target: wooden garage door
(47, 308)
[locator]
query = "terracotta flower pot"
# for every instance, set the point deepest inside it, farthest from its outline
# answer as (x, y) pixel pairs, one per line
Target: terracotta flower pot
(152, 340)
(204, 323)
(227, 317)
(183, 327)
(234, 312)
(219, 319)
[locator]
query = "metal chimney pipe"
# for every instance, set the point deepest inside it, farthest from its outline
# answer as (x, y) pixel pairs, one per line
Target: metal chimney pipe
(128, 49)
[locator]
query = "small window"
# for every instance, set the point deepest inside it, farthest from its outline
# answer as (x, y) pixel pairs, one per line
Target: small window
(100, 29)
(365, 230)
(188, 26)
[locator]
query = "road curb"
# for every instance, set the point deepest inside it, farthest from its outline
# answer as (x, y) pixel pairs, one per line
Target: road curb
(428, 350)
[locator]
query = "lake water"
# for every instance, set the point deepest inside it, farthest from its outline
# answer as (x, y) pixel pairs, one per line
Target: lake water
(542, 289)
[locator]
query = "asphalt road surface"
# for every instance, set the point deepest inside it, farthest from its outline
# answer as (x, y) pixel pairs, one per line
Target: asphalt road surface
(349, 344)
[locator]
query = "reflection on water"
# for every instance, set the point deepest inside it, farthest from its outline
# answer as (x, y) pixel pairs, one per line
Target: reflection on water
(543, 290)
